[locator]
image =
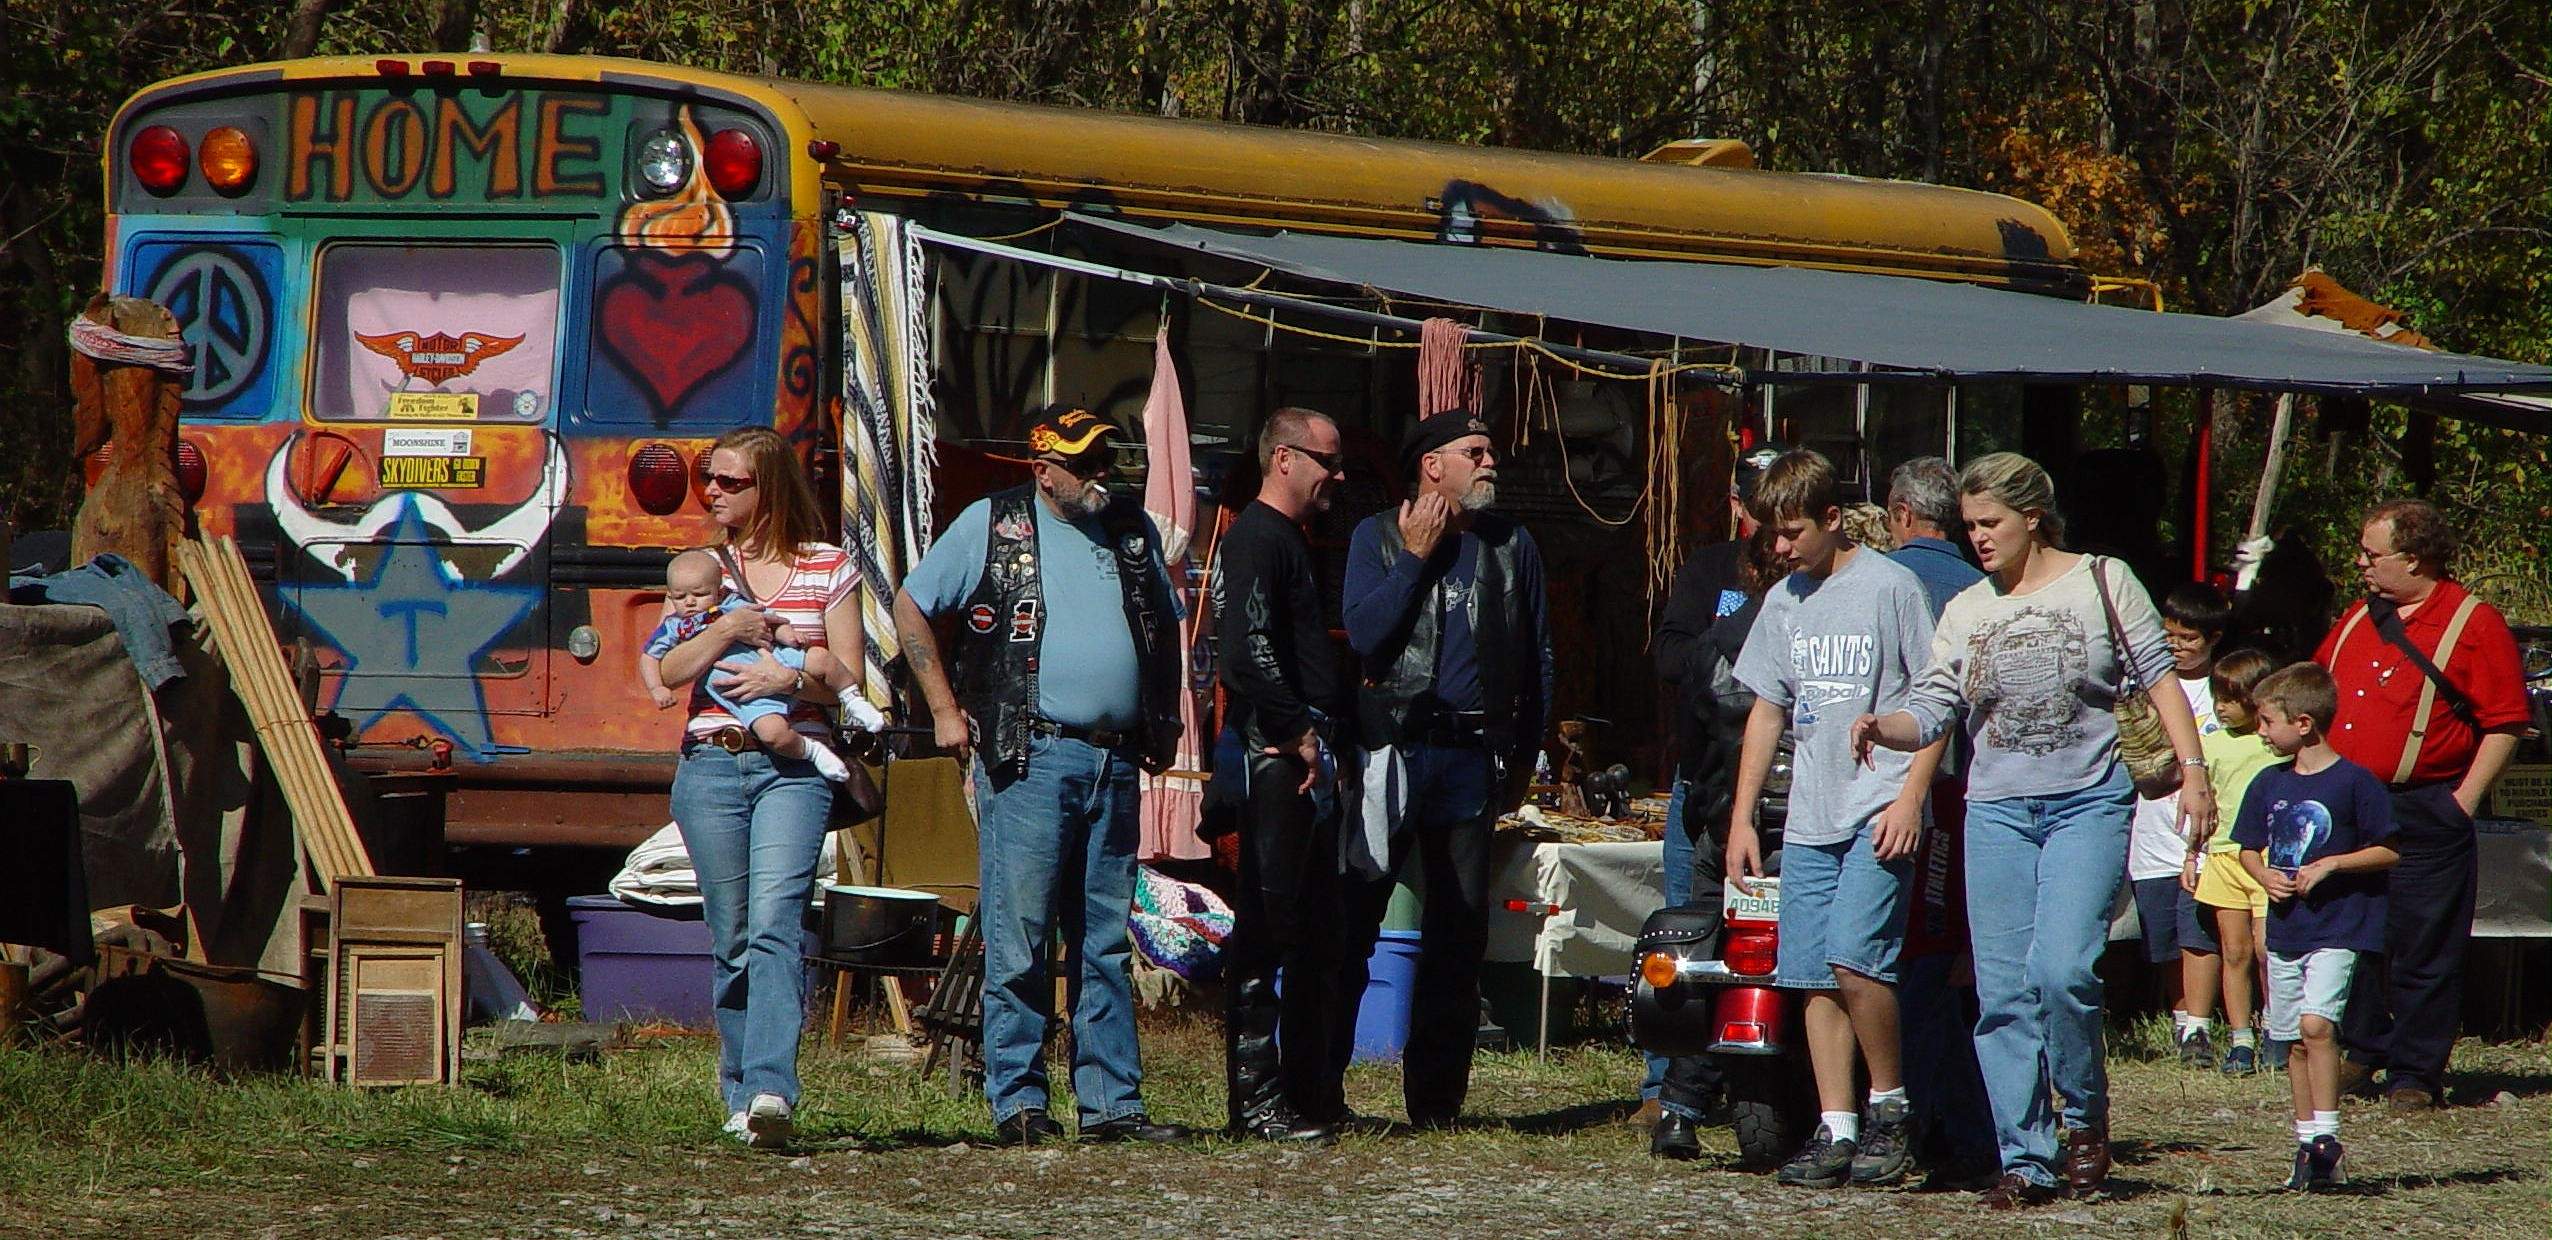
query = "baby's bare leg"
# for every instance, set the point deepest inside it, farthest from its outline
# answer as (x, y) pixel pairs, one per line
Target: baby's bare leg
(777, 736)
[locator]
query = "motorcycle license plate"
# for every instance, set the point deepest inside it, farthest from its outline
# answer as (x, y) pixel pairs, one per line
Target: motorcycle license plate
(1762, 904)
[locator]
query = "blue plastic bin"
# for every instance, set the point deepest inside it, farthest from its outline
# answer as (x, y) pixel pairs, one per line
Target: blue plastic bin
(1382, 1020)
(637, 965)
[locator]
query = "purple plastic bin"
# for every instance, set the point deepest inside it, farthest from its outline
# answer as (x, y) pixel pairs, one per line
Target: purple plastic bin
(638, 966)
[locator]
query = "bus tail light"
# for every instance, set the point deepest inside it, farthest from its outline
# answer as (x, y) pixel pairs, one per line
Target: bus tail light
(159, 159)
(734, 160)
(190, 471)
(228, 159)
(657, 479)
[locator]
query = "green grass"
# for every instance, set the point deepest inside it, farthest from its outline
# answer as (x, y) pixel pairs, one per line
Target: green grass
(535, 1145)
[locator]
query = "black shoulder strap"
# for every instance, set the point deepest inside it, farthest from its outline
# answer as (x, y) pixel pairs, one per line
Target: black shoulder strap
(2387, 617)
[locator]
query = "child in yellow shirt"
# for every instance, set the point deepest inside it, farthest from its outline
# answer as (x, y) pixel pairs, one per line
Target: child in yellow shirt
(2214, 878)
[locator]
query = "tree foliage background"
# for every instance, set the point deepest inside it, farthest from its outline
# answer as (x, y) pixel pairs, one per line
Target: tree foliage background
(2214, 147)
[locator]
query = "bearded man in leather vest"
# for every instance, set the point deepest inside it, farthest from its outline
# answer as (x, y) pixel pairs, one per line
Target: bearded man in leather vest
(1058, 567)
(1444, 607)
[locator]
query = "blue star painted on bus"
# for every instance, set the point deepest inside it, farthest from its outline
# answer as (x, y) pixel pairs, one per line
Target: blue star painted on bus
(412, 630)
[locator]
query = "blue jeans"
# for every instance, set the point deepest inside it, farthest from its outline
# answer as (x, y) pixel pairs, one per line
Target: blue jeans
(753, 825)
(2041, 875)
(1677, 858)
(1058, 850)
(1841, 908)
(1941, 1077)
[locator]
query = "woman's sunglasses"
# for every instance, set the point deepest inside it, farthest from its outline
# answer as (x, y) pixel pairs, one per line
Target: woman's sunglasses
(729, 483)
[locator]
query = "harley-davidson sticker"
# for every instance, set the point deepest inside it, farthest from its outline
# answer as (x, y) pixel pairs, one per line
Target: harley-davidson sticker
(1023, 620)
(980, 617)
(438, 357)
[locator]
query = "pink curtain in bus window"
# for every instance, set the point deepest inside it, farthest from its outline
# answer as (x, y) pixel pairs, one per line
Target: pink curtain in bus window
(498, 345)
(1169, 494)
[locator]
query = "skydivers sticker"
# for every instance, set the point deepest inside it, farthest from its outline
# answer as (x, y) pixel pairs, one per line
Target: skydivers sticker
(980, 617)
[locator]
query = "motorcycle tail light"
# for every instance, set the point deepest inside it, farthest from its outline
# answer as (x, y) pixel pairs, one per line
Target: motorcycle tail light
(1657, 969)
(657, 478)
(190, 470)
(1752, 953)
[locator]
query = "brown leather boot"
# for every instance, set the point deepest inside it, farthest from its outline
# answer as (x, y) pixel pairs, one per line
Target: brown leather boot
(2087, 1160)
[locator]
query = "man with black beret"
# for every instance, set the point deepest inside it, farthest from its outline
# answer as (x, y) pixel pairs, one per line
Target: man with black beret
(1444, 606)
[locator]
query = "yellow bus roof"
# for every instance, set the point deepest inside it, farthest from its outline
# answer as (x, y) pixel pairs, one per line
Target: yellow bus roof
(899, 145)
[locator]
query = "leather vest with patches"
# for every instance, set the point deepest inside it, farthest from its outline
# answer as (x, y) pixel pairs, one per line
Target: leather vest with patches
(1396, 676)
(1002, 628)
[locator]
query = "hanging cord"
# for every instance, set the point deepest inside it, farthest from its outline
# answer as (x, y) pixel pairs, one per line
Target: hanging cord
(106, 344)
(1542, 401)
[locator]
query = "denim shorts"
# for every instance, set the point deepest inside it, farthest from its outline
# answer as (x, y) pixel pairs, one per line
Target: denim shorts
(2158, 917)
(2314, 983)
(1841, 908)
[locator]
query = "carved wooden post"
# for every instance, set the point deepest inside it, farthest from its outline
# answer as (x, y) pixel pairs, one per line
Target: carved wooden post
(135, 509)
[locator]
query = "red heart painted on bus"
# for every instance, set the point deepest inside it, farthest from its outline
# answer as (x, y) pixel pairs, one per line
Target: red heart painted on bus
(673, 323)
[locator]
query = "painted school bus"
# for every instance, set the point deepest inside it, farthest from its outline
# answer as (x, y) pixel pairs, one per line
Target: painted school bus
(464, 326)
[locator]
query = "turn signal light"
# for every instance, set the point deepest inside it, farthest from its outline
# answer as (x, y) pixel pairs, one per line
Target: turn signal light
(228, 159)
(190, 471)
(734, 161)
(159, 159)
(1657, 969)
(1752, 953)
(657, 479)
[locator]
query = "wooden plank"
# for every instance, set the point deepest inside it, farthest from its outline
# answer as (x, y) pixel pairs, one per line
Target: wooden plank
(283, 727)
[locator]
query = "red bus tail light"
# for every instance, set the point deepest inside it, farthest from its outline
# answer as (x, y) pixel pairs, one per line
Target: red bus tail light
(190, 470)
(657, 479)
(1752, 953)
(734, 161)
(228, 159)
(158, 157)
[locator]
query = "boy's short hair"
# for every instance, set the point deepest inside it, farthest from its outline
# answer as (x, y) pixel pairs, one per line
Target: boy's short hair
(1799, 484)
(2238, 674)
(2300, 690)
(2199, 605)
(689, 563)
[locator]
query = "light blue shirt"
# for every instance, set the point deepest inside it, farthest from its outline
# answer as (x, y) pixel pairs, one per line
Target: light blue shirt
(1088, 672)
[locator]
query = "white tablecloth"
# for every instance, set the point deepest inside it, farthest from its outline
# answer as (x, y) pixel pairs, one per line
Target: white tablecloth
(1604, 892)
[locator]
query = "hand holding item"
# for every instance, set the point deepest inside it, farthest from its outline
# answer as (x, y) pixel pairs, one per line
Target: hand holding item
(1304, 749)
(954, 732)
(2311, 876)
(2279, 884)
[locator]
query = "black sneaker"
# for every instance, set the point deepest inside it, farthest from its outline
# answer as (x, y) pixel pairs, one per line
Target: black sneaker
(2240, 1060)
(2198, 1049)
(2301, 1179)
(1280, 1123)
(2326, 1156)
(1137, 1127)
(1886, 1144)
(1027, 1127)
(1825, 1162)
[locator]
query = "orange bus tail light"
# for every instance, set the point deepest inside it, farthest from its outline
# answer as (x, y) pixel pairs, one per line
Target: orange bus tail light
(657, 479)
(158, 158)
(228, 159)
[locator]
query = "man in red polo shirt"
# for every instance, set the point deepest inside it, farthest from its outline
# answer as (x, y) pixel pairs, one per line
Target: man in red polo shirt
(2440, 746)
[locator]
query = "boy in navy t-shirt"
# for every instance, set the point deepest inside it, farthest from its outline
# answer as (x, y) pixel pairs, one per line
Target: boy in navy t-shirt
(2313, 832)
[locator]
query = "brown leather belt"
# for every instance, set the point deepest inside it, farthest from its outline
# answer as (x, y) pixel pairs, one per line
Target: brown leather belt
(1103, 738)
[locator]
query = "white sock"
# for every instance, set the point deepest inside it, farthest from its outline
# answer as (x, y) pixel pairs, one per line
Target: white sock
(2247, 1037)
(827, 764)
(2326, 1124)
(2303, 1132)
(1842, 1125)
(1878, 1096)
(2202, 1024)
(857, 712)
(2179, 1023)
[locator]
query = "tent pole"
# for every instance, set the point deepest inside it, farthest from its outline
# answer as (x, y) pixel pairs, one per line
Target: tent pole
(2202, 484)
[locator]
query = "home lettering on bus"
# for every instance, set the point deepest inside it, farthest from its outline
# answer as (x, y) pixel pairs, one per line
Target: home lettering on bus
(443, 145)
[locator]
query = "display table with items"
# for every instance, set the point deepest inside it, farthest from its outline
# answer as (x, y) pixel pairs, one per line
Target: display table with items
(1567, 895)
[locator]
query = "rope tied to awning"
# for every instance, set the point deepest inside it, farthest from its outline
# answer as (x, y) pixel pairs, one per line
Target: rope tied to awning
(97, 340)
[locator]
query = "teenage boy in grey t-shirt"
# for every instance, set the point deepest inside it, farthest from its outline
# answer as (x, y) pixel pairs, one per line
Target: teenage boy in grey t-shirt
(1846, 633)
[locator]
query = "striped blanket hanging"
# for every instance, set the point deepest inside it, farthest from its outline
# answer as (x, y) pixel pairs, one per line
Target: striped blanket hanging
(888, 429)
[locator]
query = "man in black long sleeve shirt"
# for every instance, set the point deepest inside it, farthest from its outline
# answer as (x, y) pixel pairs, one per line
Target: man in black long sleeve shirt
(1284, 686)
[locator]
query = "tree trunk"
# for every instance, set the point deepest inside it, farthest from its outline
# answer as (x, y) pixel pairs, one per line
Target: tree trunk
(454, 20)
(301, 33)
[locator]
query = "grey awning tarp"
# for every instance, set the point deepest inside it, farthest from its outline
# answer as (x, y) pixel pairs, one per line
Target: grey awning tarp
(1932, 328)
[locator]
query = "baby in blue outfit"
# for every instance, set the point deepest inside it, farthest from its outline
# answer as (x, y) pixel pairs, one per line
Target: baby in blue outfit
(695, 591)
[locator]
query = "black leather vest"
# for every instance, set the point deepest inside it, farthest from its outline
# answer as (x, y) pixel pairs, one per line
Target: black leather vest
(1388, 709)
(1002, 628)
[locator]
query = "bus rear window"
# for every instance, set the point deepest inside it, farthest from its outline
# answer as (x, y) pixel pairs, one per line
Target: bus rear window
(436, 332)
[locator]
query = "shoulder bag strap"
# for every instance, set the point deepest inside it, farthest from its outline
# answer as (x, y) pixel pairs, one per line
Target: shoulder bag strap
(735, 571)
(2129, 681)
(2434, 677)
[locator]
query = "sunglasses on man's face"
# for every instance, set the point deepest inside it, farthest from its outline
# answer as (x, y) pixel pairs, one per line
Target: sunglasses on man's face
(1092, 465)
(729, 483)
(1329, 462)
(1477, 455)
